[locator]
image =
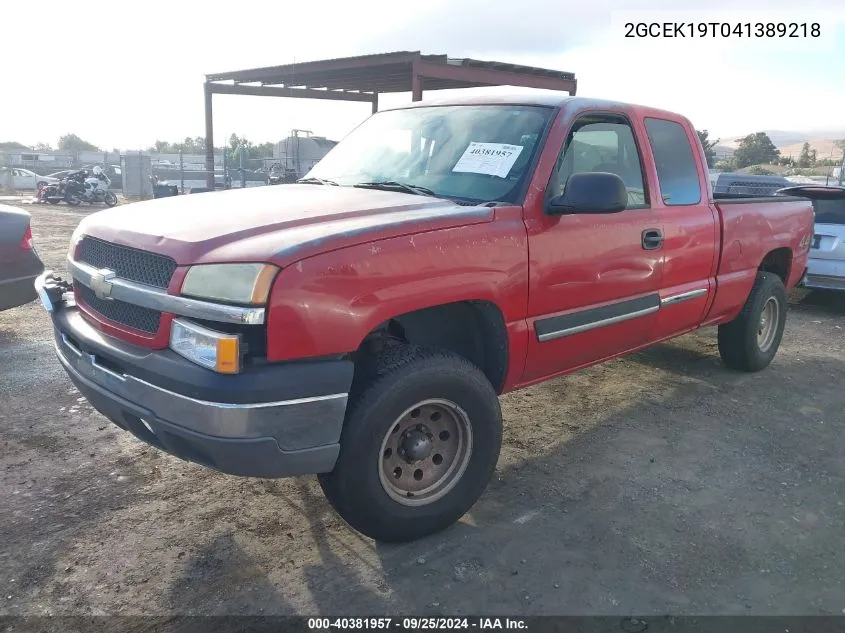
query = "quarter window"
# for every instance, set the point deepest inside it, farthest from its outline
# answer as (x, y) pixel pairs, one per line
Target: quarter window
(677, 172)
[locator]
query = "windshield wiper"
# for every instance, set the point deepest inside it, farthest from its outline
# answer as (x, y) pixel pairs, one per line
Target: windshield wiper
(392, 185)
(316, 181)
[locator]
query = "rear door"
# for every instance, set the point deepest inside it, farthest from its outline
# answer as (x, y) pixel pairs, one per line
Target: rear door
(826, 268)
(689, 222)
(594, 278)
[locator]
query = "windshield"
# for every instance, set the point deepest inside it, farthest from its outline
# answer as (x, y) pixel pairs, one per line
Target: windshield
(475, 153)
(830, 211)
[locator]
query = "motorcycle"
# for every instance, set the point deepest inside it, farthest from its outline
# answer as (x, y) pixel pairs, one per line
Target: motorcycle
(55, 193)
(84, 188)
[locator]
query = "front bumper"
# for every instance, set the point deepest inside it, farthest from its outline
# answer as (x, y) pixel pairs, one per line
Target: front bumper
(277, 420)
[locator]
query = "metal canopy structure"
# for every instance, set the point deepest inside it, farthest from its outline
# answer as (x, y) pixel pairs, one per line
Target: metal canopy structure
(363, 78)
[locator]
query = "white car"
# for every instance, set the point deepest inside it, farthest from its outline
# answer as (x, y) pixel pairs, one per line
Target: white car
(26, 179)
(826, 268)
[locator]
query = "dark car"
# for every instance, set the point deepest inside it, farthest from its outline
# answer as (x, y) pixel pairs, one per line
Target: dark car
(743, 185)
(19, 263)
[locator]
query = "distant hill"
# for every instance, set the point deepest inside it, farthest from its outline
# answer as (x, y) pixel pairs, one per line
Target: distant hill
(825, 148)
(790, 143)
(783, 138)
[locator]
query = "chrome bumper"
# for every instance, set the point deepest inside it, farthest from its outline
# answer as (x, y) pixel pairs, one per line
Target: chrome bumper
(822, 282)
(266, 438)
(263, 419)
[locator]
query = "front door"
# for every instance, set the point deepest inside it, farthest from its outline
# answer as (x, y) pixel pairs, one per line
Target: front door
(594, 278)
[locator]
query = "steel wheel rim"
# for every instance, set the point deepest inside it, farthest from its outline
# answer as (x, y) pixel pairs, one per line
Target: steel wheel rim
(425, 452)
(767, 327)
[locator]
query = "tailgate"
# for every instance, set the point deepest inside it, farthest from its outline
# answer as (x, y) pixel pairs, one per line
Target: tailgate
(829, 233)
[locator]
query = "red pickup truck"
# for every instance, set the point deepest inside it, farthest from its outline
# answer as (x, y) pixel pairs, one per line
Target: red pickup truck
(360, 324)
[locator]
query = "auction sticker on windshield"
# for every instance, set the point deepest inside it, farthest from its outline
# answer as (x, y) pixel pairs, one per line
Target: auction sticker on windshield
(493, 159)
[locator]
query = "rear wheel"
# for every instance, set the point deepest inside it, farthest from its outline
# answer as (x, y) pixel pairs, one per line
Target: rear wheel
(420, 442)
(110, 199)
(751, 340)
(73, 200)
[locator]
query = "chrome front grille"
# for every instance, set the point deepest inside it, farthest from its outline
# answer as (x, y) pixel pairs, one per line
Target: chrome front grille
(127, 262)
(130, 264)
(133, 316)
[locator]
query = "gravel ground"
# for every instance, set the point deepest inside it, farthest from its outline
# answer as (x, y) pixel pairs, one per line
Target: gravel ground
(658, 483)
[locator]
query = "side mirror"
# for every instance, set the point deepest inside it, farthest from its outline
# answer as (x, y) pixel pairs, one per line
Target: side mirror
(591, 192)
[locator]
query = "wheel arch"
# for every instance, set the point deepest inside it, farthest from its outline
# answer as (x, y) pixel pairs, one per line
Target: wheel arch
(779, 262)
(473, 329)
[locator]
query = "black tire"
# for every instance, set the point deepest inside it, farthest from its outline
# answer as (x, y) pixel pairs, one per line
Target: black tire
(110, 199)
(394, 382)
(53, 200)
(73, 200)
(739, 340)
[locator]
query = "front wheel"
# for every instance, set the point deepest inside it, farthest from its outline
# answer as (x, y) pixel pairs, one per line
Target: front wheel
(751, 340)
(110, 199)
(420, 442)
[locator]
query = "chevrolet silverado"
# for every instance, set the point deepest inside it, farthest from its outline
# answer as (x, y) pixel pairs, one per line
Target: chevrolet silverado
(360, 323)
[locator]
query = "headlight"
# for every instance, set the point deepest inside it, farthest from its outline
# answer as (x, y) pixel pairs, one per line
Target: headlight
(234, 283)
(213, 350)
(75, 238)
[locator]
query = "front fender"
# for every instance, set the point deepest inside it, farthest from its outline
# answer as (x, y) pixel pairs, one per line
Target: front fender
(327, 304)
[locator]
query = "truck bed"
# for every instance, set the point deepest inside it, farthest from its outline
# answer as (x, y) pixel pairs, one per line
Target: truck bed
(775, 230)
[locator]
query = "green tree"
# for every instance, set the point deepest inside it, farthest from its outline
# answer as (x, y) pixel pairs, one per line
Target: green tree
(161, 147)
(709, 147)
(756, 149)
(195, 145)
(805, 158)
(237, 146)
(43, 147)
(72, 143)
(13, 145)
(760, 171)
(264, 150)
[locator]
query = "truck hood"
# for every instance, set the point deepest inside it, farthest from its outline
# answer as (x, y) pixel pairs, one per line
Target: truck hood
(279, 224)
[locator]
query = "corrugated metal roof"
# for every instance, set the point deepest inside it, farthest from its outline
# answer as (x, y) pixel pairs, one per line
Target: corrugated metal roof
(393, 72)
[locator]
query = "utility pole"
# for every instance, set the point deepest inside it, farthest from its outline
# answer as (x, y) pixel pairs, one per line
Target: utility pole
(241, 162)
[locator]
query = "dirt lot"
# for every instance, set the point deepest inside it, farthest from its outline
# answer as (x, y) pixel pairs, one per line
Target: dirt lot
(659, 483)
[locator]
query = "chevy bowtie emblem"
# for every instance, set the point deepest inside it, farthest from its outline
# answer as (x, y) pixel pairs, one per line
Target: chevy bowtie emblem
(101, 283)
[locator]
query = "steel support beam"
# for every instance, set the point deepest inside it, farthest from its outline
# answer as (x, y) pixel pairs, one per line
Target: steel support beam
(302, 68)
(300, 93)
(209, 139)
(375, 102)
(416, 81)
(491, 77)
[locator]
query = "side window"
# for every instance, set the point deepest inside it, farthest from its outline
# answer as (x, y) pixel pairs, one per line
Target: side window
(601, 143)
(677, 172)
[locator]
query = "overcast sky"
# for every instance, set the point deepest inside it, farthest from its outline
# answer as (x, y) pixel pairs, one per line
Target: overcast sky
(127, 74)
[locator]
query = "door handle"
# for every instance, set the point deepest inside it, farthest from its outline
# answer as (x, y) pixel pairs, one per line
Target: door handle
(652, 239)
